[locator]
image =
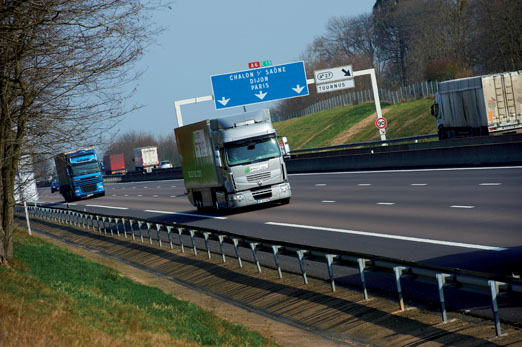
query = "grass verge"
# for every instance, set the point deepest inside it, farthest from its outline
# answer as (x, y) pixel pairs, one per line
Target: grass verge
(54, 297)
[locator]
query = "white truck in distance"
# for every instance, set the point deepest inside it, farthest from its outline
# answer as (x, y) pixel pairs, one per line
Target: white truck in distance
(146, 158)
(233, 161)
(477, 106)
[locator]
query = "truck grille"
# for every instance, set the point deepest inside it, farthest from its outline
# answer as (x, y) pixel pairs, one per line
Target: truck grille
(89, 188)
(258, 177)
(262, 193)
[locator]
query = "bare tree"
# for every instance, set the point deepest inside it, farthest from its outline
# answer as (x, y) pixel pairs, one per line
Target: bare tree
(63, 68)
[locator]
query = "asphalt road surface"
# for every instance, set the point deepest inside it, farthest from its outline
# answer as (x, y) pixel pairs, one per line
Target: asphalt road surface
(467, 218)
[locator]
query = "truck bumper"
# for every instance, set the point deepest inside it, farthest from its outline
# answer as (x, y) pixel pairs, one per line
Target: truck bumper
(260, 196)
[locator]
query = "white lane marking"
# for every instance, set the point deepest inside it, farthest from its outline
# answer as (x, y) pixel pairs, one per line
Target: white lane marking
(328, 201)
(418, 184)
(386, 203)
(172, 186)
(320, 185)
(364, 184)
(490, 184)
(185, 214)
(113, 207)
(125, 195)
(154, 196)
(462, 206)
(390, 236)
(113, 194)
(140, 195)
(173, 196)
(417, 170)
(145, 187)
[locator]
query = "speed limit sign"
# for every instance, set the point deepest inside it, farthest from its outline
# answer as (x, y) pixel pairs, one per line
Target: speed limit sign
(380, 123)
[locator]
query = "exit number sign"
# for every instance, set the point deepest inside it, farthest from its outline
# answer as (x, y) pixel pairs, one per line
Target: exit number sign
(256, 64)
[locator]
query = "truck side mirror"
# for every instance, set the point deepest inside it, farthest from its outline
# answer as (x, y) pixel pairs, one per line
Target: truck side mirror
(435, 110)
(218, 158)
(286, 146)
(102, 166)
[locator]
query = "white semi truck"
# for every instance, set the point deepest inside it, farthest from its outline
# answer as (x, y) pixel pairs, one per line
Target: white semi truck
(477, 106)
(233, 161)
(146, 158)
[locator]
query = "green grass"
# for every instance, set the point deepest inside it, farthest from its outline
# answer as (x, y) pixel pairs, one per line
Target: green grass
(326, 128)
(50, 281)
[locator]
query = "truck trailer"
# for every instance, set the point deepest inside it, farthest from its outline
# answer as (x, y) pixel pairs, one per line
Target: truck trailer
(79, 174)
(146, 158)
(233, 161)
(478, 106)
(114, 164)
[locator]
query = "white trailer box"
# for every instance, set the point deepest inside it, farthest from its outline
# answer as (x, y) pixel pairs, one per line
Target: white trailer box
(479, 105)
(146, 158)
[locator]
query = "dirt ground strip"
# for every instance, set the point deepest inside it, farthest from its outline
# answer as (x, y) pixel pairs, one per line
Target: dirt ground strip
(283, 310)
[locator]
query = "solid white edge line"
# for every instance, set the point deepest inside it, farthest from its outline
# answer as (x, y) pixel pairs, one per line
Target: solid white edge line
(413, 170)
(185, 214)
(113, 207)
(389, 236)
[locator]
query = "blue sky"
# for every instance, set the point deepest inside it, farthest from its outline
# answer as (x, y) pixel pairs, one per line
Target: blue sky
(208, 37)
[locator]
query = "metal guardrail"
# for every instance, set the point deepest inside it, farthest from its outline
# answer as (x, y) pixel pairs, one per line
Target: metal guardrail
(175, 234)
(369, 143)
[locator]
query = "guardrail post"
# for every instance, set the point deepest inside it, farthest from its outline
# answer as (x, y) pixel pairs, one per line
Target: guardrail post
(104, 226)
(148, 230)
(398, 273)
(180, 231)
(300, 256)
(493, 286)
(169, 228)
(123, 226)
(116, 220)
(110, 225)
(362, 267)
(253, 246)
(191, 232)
(235, 242)
(205, 235)
(441, 281)
(158, 227)
(329, 261)
(132, 229)
(275, 249)
(220, 238)
(139, 229)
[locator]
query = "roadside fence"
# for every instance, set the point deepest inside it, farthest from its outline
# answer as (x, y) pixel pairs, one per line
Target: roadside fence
(405, 93)
(215, 241)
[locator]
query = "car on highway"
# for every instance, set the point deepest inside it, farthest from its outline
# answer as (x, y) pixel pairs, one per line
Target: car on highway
(55, 186)
(165, 164)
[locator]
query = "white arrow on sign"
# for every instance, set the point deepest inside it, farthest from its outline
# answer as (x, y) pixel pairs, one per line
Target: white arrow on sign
(261, 95)
(223, 101)
(298, 89)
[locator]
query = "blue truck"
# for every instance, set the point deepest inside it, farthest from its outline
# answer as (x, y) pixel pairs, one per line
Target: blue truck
(79, 174)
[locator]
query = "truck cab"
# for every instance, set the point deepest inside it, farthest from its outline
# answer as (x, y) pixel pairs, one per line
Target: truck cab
(79, 174)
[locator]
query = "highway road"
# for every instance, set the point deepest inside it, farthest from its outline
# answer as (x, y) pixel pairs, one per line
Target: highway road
(467, 218)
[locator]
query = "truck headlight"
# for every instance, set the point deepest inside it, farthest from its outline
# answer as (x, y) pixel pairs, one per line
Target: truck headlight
(284, 188)
(237, 197)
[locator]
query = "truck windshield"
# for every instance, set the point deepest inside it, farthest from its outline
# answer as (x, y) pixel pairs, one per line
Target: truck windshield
(85, 168)
(247, 152)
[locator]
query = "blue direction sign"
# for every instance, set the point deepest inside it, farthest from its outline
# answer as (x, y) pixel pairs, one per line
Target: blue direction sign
(259, 85)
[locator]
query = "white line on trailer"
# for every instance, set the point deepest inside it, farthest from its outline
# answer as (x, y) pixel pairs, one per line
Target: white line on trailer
(462, 206)
(113, 207)
(390, 236)
(185, 214)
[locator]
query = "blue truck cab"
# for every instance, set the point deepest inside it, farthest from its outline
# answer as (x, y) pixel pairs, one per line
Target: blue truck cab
(79, 174)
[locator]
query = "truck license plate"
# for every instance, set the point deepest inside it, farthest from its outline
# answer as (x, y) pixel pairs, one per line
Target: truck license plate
(262, 200)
